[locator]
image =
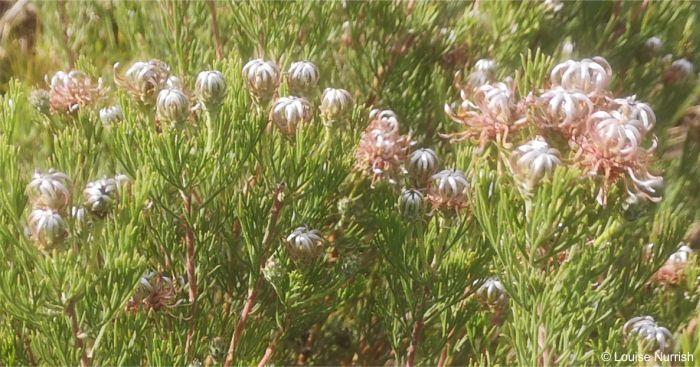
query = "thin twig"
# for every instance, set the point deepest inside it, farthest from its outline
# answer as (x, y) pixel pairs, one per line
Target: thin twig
(70, 310)
(417, 332)
(191, 274)
(215, 30)
(271, 348)
(269, 234)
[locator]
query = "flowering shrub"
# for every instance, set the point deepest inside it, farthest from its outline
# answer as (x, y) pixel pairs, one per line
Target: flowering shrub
(342, 183)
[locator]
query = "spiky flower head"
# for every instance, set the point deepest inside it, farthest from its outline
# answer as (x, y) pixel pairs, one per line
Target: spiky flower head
(111, 115)
(50, 190)
(423, 164)
(172, 106)
(652, 337)
(305, 244)
(210, 87)
(591, 76)
(532, 161)
(303, 77)
(335, 104)
(382, 150)
(564, 109)
(47, 228)
(289, 113)
(262, 78)
(70, 91)
(411, 204)
(492, 293)
(154, 292)
(100, 196)
(448, 189)
(143, 79)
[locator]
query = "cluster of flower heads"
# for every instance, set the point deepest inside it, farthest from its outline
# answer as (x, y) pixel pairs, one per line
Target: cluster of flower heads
(50, 198)
(645, 331)
(382, 150)
(288, 113)
(606, 134)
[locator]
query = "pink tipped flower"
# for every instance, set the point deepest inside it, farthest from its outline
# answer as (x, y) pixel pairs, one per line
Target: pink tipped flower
(382, 151)
(492, 114)
(70, 91)
(588, 75)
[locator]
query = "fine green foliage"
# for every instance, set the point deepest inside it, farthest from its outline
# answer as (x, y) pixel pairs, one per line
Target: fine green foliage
(211, 199)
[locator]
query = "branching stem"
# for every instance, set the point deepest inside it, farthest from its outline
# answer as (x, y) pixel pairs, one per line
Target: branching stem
(269, 234)
(191, 274)
(271, 348)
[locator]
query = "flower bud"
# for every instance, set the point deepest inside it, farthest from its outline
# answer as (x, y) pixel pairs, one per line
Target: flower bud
(289, 112)
(492, 293)
(422, 164)
(47, 228)
(564, 108)
(50, 190)
(652, 337)
(261, 78)
(681, 256)
(144, 79)
(80, 218)
(680, 71)
(111, 115)
(100, 196)
(335, 104)
(210, 87)
(40, 100)
(172, 106)
(385, 121)
(533, 161)
(449, 189)
(411, 205)
(302, 78)
(653, 45)
(486, 66)
(305, 244)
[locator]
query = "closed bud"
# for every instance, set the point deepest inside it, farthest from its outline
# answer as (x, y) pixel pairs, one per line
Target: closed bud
(681, 256)
(411, 204)
(288, 113)
(680, 71)
(532, 161)
(100, 196)
(492, 293)
(47, 228)
(143, 80)
(50, 190)
(335, 104)
(172, 106)
(305, 244)
(80, 218)
(210, 87)
(261, 78)
(40, 100)
(422, 164)
(487, 67)
(111, 115)
(653, 45)
(448, 190)
(302, 77)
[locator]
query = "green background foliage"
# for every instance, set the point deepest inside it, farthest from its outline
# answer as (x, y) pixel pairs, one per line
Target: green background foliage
(380, 275)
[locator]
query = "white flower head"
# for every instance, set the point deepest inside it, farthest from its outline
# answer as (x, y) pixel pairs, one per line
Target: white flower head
(681, 256)
(144, 79)
(100, 196)
(588, 75)
(492, 293)
(305, 244)
(645, 330)
(47, 228)
(565, 108)
(173, 106)
(385, 121)
(261, 78)
(335, 104)
(534, 160)
(288, 113)
(50, 190)
(111, 115)
(303, 77)
(411, 204)
(422, 164)
(449, 189)
(210, 87)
